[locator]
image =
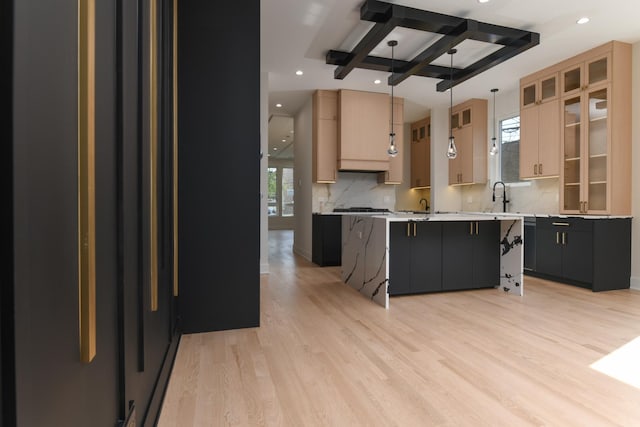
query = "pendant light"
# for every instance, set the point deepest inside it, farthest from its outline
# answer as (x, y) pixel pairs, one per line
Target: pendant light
(494, 146)
(452, 152)
(392, 151)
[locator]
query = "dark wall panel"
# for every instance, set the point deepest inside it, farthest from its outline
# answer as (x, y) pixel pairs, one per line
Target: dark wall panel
(219, 97)
(53, 387)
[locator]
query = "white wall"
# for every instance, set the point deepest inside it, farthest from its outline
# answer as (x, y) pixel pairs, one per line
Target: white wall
(635, 183)
(264, 148)
(302, 175)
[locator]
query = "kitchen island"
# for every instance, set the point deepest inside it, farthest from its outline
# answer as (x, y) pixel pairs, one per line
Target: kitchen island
(455, 251)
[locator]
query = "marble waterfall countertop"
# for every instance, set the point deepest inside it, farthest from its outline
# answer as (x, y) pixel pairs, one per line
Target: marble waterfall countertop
(365, 249)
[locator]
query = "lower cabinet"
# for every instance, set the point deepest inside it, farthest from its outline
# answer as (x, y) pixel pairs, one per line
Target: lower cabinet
(415, 257)
(443, 256)
(326, 240)
(470, 255)
(591, 253)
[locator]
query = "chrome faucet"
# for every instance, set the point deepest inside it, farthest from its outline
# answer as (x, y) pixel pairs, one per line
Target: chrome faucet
(504, 195)
(426, 204)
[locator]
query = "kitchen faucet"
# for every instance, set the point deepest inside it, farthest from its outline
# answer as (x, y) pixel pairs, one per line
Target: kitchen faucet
(426, 204)
(504, 195)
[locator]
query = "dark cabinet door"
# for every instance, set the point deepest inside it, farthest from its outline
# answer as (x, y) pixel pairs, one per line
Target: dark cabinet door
(486, 254)
(577, 256)
(548, 248)
(457, 255)
(400, 258)
(426, 257)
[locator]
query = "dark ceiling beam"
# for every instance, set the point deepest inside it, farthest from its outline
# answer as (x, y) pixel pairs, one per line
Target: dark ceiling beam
(487, 62)
(364, 47)
(435, 51)
(387, 16)
(377, 63)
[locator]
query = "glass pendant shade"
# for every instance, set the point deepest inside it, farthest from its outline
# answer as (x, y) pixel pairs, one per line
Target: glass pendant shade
(392, 151)
(494, 147)
(452, 151)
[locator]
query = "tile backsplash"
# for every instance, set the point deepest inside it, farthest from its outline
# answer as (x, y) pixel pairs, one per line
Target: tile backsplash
(535, 196)
(359, 189)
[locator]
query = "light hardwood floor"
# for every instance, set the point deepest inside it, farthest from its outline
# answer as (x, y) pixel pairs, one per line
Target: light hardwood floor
(326, 356)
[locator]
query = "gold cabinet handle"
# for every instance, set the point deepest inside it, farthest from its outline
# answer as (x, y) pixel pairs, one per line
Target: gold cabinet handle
(586, 207)
(408, 229)
(414, 229)
(477, 227)
(564, 238)
(535, 169)
(540, 169)
(557, 237)
(471, 228)
(86, 180)
(561, 224)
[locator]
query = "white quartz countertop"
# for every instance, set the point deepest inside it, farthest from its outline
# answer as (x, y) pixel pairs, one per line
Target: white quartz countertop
(453, 216)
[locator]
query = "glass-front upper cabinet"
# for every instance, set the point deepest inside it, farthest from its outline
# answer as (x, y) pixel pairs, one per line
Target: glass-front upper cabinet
(598, 150)
(581, 76)
(539, 91)
(585, 148)
(572, 155)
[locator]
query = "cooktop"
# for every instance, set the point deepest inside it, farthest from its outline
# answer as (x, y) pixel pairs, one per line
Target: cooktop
(361, 209)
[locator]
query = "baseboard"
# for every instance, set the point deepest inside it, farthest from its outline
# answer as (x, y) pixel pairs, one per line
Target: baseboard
(264, 268)
(635, 283)
(157, 398)
(304, 254)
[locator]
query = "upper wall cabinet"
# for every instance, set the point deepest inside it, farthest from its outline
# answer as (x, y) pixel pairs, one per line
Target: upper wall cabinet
(596, 132)
(421, 153)
(539, 125)
(325, 136)
(363, 131)
(394, 174)
(469, 123)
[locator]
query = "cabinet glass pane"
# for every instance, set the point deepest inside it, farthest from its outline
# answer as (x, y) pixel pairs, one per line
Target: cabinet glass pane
(572, 128)
(572, 80)
(598, 71)
(598, 113)
(422, 130)
(414, 135)
(455, 120)
(529, 95)
(466, 117)
(548, 88)
(572, 197)
(597, 197)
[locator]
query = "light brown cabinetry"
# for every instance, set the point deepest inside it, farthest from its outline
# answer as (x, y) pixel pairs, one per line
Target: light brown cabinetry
(394, 174)
(596, 132)
(540, 125)
(469, 123)
(363, 131)
(421, 153)
(325, 136)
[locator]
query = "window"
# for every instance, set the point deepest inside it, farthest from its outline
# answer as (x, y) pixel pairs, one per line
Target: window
(280, 186)
(510, 149)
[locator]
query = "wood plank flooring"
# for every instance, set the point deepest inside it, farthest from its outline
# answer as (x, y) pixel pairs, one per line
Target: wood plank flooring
(326, 356)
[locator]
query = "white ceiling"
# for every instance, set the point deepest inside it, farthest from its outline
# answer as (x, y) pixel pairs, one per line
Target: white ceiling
(296, 35)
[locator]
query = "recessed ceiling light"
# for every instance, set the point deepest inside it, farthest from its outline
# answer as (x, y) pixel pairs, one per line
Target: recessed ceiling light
(284, 140)
(275, 148)
(377, 81)
(483, 1)
(279, 105)
(582, 20)
(299, 73)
